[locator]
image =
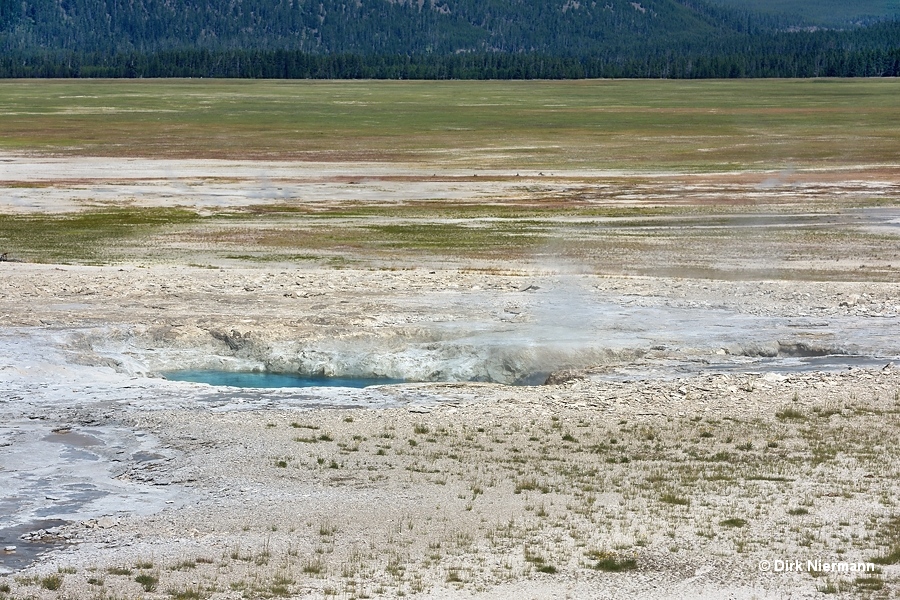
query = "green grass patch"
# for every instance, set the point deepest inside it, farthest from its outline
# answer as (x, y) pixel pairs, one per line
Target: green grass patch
(733, 522)
(147, 581)
(674, 499)
(767, 478)
(52, 582)
(529, 484)
(869, 583)
(473, 240)
(84, 236)
(611, 563)
(890, 557)
(790, 413)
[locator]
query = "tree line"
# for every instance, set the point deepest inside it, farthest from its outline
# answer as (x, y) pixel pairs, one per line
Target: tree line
(283, 64)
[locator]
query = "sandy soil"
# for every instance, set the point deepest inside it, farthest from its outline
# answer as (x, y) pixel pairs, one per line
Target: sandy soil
(51, 185)
(693, 429)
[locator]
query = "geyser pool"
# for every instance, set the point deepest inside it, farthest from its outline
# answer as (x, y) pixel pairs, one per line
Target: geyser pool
(251, 379)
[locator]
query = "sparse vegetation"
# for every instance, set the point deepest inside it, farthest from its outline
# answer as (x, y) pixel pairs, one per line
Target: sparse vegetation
(51, 582)
(610, 563)
(147, 581)
(790, 413)
(554, 495)
(733, 522)
(891, 557)
(670, 498)
(184, 593)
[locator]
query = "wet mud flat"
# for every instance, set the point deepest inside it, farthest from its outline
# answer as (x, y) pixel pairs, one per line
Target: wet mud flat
(20, 550)
(55, 473)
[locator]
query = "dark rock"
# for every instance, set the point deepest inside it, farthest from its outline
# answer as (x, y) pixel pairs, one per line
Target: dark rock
(234, 340)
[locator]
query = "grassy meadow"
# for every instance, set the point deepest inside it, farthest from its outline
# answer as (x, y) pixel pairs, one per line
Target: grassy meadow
(608, 146)
(683, 125)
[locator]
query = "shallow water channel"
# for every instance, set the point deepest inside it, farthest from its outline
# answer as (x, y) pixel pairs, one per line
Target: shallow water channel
(254, 379)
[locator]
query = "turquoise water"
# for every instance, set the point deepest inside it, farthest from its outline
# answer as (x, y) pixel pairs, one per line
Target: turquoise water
(273, 380)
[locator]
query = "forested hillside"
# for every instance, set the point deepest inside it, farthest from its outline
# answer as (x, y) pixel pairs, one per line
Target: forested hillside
(426, 38)
(827, 13)
(571, 27)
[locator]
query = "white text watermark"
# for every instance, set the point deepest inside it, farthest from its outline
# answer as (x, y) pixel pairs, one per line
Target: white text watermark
(815, 566)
